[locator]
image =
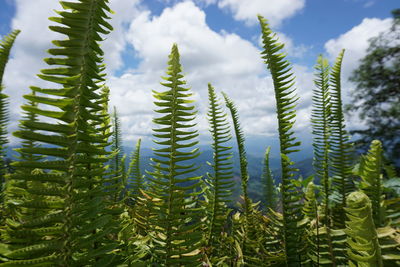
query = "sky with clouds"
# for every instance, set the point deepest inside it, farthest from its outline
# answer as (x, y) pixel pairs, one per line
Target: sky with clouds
(219, 42)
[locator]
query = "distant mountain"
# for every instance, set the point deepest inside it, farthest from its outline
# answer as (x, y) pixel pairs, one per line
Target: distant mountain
(255, 166)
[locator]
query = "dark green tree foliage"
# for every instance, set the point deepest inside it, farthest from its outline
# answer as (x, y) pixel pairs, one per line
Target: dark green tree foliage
(283, 80)
(5, 47)
(341, 151)
(69, 226)
(135, 177)
(178, 235)
(270, 194)
(376, 96)
(221, 180)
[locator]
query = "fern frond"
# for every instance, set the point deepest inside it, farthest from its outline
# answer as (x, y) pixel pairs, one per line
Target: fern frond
(341, 156)
(69, 183)
(221, 180)
(244, 172)
(270, 193)
(5, 47)
(362, 239)
(371, 174)
(135, 178)
(320, 118)
(320, 121)
(177, 232)
(283, 81)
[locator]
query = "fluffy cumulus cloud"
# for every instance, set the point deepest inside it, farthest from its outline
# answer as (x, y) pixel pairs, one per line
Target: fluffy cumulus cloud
(275, 10)
(355, 41)
(28, 51)
(230, 63)
(35, 38)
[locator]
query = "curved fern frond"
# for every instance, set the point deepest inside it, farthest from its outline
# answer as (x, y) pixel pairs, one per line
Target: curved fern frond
(221, 180)
(70, 179)
(5, 47)
(283, 81)
(362, 239)
(341, 156)
(371, 174)
(270, 193)
(173, 183)
(244, 172)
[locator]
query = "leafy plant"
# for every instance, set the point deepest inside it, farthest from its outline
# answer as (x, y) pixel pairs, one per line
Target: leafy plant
(364, 249)
(68, 226)
(371, 184)
(177, 234)
(283, 80)
(5, 47)
(270, 193)
(341, 156)
(135, 177)
(220, 182)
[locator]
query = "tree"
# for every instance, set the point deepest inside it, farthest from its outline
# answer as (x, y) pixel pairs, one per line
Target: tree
(376, 97)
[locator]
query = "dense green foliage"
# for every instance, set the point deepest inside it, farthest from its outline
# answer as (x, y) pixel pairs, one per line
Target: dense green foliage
(71, 202)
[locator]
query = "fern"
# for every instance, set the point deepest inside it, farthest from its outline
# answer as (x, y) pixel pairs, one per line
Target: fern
(320, 120)
(321, 129)
(244, 172)
(221, 180)
(177, 234)
(340, 146)
(5, 47)
(270, 193)
(118, 169)
(71, 227)
(283, 80)
(371, 184)
(135, 178)
(362, 240)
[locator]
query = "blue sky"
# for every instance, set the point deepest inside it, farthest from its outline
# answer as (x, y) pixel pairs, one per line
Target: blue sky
(219, 43)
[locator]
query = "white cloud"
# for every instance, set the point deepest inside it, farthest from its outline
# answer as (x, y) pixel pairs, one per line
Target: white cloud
(35, 38)
(355, 41)
(115, 42)
(229, 62)
(273, 10)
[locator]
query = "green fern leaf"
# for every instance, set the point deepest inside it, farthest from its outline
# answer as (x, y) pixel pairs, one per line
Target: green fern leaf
(176, 222)
(341, 156)
(221, 180)
(283, 80)
(58, 181)
(362, 239)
